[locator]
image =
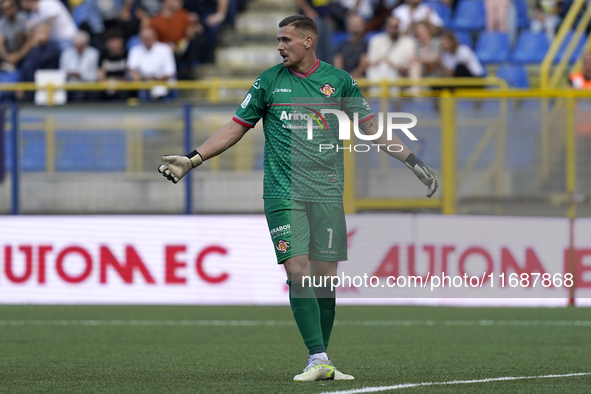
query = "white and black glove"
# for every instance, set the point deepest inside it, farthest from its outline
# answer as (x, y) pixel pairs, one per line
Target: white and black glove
(423, 172)
(175, 167)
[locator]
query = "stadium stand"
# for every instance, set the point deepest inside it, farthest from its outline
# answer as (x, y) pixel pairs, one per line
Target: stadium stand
(530, 48)
(515, 75)
(469, 15)
(465, 38)
(493, 47)
(443, 10)
(578, 50)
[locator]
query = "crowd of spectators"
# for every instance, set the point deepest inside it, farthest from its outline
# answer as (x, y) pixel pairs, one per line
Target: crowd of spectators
(386, 38)
(414, 44)
(408, 38)
(110, 40)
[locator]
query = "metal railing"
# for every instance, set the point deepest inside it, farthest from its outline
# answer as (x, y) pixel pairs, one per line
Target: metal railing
(451, 176)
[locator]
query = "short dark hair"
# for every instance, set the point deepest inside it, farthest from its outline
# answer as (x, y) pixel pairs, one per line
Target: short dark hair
(451, 36)
(301, 22)
(113, 33)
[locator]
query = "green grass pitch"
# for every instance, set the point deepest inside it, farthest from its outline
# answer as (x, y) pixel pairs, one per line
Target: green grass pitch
(136, 349)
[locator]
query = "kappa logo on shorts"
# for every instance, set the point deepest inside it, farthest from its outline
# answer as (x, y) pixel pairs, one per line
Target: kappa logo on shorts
(282, 246)
(327, 90)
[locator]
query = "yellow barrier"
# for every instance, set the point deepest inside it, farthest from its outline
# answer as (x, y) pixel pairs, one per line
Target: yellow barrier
(212, 86)
(449, 175)
(565, 27)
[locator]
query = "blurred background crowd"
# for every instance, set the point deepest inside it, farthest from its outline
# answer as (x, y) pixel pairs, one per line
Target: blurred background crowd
(99, 40)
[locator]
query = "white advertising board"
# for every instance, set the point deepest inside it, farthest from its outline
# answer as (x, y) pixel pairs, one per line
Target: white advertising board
(205, 260)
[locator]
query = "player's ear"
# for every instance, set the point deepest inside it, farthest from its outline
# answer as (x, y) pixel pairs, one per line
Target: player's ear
(309, 41)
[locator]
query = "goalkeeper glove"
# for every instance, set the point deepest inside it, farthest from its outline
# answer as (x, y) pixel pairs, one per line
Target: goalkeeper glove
(175, 167)
(423, 172)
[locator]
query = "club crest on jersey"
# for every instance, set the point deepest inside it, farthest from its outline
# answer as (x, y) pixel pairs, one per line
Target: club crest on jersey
(327, 90)
(282, 246)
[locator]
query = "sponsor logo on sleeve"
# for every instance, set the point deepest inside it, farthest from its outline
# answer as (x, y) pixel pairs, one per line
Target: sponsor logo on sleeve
(246, 100)
(257, 84)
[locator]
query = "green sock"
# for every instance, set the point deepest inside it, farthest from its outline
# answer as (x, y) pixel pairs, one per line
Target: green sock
(327, 313)
(307, 316)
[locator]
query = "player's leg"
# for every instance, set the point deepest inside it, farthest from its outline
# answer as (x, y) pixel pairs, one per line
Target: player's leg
(290, 232)
(328, 246)
(325, 296)
(304, 305)
(306, 313)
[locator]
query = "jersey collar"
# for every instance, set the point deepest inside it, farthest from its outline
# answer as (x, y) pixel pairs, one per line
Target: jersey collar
(314, 68)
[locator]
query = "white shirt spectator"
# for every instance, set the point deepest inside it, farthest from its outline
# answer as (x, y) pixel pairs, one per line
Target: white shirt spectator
(383, 52)
(464, 55)
(365, 8)
(55, 12)
(156, 62)
(421, 13)
(85, 64)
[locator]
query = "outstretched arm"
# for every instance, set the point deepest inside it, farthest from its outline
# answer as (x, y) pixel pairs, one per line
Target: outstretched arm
(405, 155)
(175, 167)
(224, 138)
(370, 127)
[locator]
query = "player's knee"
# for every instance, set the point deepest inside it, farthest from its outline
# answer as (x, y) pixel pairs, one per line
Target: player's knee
(297, 268)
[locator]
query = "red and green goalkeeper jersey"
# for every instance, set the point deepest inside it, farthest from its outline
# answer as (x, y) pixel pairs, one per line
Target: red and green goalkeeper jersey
(295, 167)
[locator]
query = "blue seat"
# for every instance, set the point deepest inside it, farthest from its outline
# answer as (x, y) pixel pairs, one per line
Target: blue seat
(578, 50)
(90, 151)
(522, 11)
(493, 47)
(12, 77)
(338, 38)
(443, 10)
(132, 41)
(464, 37)
(469, 15)
(515, 75)
(33, 156)
(530, 48)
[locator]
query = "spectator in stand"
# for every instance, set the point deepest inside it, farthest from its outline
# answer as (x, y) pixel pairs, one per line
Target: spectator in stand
(212, 14)
(351, 55)
(582, 79)
(145, 10)
(151, 61)
(44, 55)
(382, 11)
(80, 62)
(56, 15)
(365, 8)
(458, 60)
(412, 11)
(319, 11)
(545, 18)
(426, 61)
(390, 54)
(102, 15)
(341, 9)
(113, 63)
(496, 15)
(15, 38)
(175, 28)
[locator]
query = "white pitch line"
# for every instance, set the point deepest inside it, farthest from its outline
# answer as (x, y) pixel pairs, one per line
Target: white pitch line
(282, 323)
(409, 385)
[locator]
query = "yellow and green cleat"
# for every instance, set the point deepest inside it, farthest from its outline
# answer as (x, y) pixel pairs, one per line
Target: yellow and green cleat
(317, 369)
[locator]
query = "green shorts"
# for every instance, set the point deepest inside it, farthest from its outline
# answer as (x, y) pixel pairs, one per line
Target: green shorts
(307, 228)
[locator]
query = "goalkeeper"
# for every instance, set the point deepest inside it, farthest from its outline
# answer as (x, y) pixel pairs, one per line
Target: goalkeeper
(303, 188)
